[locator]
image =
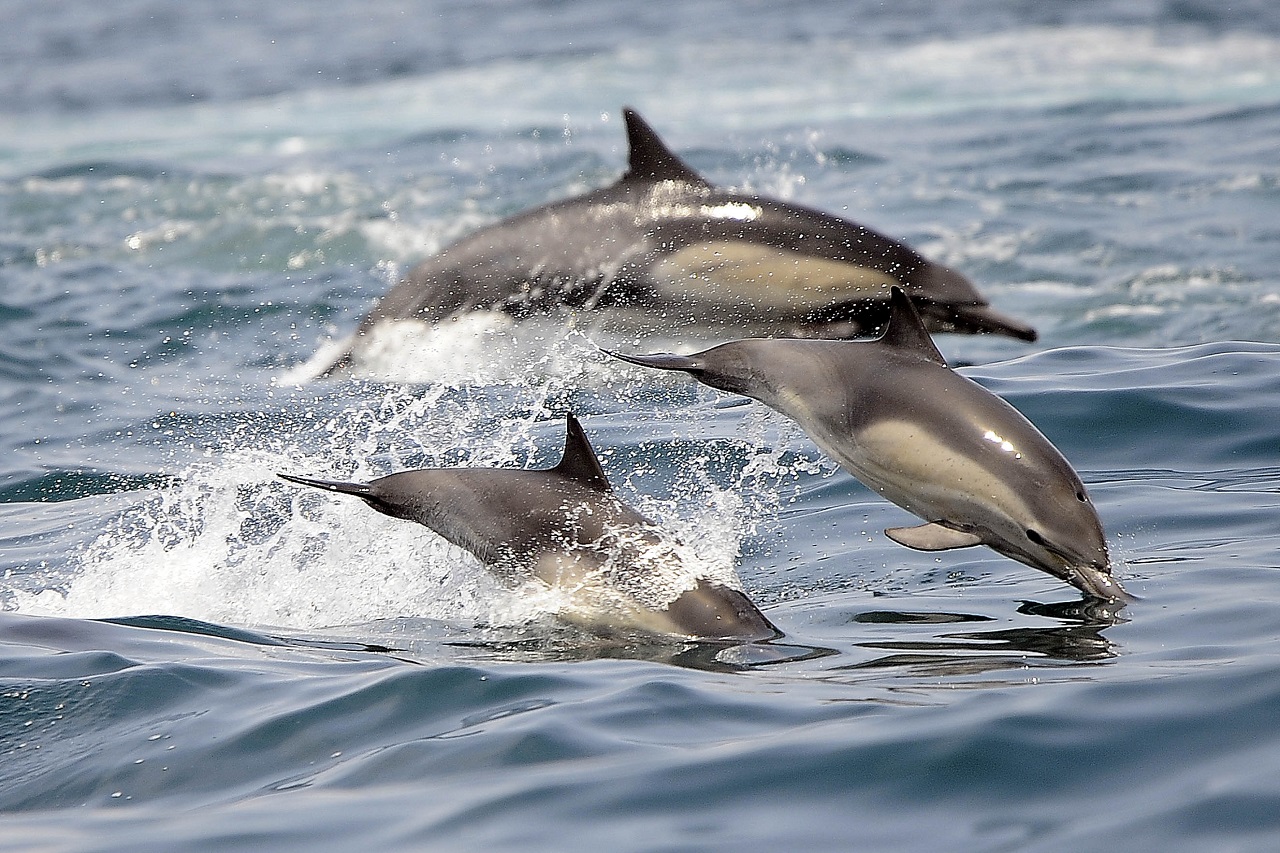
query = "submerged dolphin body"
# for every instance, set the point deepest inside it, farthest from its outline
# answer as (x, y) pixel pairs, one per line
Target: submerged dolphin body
(928, 439)
(664, 248)
(565, 527)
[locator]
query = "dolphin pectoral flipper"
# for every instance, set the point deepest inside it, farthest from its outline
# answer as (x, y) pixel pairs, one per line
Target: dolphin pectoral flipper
(932, 537)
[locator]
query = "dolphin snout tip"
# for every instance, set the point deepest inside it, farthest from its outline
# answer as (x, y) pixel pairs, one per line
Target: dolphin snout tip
(1096, 581)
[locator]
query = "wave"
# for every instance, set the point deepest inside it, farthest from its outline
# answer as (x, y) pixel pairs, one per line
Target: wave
(774, 83)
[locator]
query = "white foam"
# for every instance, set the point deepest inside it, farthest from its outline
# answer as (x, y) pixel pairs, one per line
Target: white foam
(315, 366)
(1114, 311)
(480, 348)
(231, 543)
(957, 247)
(550, 354)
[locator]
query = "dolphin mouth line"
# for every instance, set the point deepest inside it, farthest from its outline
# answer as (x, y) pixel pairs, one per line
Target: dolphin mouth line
(1098, 583)
(1093, 579)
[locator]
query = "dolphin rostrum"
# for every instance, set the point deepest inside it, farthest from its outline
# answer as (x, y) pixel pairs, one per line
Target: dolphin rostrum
(565, 527)
(664, 247)
(931, 441)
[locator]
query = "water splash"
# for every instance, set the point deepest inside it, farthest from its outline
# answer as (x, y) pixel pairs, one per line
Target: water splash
(230, 543)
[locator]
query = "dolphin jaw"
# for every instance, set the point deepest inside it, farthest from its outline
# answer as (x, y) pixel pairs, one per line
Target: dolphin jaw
(1091, 577)
(1098, 583)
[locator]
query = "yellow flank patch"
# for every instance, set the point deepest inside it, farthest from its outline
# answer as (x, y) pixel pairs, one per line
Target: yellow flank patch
(765, 276)
(913, 469)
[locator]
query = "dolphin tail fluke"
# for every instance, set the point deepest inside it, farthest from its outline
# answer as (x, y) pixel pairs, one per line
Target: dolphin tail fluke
(360, 490)
(662, 360)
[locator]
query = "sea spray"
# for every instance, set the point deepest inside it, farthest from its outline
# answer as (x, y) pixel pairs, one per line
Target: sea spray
(230, 543)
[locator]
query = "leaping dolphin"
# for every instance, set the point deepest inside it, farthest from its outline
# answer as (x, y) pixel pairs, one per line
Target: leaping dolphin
(931, 441)
(667, 249)
(565, 527)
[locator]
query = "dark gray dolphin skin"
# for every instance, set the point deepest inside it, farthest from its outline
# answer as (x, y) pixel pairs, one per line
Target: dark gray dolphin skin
(928, 439)
(664, 242)
(565, 527)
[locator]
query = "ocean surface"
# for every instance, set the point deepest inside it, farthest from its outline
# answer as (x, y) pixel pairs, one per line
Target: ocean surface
(196, 198)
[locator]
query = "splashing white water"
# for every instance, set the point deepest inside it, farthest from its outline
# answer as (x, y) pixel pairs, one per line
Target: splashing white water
(231, 543)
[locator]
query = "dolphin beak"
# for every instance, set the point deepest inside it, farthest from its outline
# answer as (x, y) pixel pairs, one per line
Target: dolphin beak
(972, 318)
(1089, 574)
(1098, 583)
(662, 360)
(987, 319)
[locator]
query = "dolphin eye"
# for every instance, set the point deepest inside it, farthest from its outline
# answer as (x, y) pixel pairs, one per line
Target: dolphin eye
(1080, 497)
(1035, 537)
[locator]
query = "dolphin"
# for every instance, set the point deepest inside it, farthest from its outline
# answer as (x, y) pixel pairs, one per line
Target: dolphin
(941, 446)
(665, 248)
(565, 527)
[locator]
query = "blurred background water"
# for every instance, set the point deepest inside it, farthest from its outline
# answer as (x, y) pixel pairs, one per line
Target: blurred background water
(195, 198)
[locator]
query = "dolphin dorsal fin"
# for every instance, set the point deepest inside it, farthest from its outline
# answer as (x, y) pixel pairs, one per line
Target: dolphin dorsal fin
(579, 461)
(651, 159)
(906, 330)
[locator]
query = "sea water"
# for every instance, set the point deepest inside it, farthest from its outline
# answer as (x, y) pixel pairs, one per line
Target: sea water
(197, 198)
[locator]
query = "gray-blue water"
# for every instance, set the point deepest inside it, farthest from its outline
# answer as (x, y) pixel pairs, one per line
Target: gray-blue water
(196, 197)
